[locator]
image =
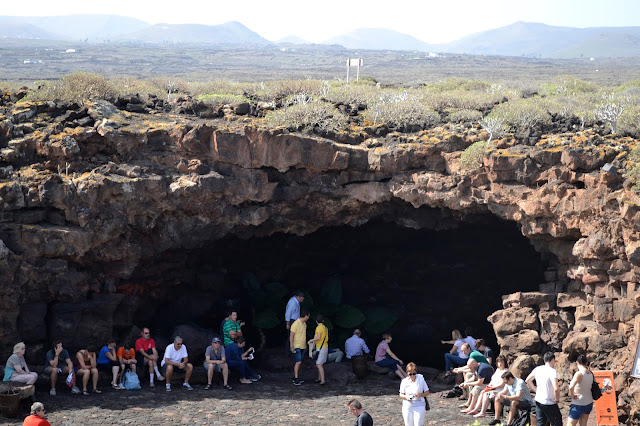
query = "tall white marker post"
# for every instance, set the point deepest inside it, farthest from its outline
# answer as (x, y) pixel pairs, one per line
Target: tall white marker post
(357, 62)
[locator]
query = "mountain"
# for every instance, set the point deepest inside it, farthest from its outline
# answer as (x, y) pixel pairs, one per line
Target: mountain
(229, 33)
(540, 40)
(80, 27)
(292, 40)
(24, 30)
(379, 39)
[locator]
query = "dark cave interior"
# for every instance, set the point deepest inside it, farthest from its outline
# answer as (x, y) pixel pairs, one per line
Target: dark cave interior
(429, 281)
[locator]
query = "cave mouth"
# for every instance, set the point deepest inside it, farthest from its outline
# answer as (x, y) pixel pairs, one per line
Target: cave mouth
(430, 281)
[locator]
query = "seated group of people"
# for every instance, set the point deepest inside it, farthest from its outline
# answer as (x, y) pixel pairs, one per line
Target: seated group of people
(117, 360)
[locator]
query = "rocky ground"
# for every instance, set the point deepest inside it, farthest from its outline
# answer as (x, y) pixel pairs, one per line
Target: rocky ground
(272, 401)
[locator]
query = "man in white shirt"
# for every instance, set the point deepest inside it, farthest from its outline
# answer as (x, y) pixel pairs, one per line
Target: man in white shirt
(547, 391)
(176, 356)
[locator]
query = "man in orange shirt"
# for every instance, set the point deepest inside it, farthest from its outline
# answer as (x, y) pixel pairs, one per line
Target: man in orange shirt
(127, 357)
(37, 417)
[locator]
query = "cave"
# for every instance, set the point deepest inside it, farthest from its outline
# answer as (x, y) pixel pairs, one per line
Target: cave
(448, 274)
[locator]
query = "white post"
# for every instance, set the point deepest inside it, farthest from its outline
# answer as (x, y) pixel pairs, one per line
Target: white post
(348, 60)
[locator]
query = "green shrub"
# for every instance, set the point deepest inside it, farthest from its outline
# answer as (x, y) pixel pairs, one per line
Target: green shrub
(77, 87)
(629, 122)
(568, 85)
(404, 114)
(471, 157)
(307, 117)
(273, 91)
(353, 93)
(465, 115)
(523, 113)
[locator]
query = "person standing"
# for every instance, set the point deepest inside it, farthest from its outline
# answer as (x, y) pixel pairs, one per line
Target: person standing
(298, 344)
(16, 369)
(148, 355)
(231, 328)
(413, 390)
(580, 393)
(37, 417)
(364, 419)
(547, 391)
(59, 361)
(322, 336)
(292, 311)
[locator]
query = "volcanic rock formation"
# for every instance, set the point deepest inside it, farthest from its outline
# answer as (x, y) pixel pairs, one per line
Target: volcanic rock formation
(97, 203)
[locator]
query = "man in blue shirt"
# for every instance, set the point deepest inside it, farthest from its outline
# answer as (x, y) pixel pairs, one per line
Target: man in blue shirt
(292, 313)
(355, 345)
(238, 359)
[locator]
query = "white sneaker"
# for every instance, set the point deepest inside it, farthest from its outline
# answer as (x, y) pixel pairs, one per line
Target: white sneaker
(121, 385)
(160, 377)
(152, 385)
(187, 385)
(168, 387)
(52, 392)
(75, 390)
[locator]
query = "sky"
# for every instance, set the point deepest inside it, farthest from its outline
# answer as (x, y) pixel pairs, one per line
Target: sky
(432, 21)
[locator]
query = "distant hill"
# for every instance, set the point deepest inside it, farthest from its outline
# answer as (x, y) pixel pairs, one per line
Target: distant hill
(293, 40)
(229, 33)
(24, 30)
(80, 27)
(379, 39)
(540, 40)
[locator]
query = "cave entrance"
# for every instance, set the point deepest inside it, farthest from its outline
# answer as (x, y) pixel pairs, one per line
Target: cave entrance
(419, 284)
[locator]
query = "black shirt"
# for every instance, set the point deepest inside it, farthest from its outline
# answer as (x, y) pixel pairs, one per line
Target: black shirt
(364, 419)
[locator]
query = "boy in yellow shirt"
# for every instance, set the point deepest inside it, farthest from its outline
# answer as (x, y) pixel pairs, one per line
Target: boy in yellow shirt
(298, 343)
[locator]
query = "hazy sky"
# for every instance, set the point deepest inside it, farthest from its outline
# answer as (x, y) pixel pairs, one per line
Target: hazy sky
(432, 21)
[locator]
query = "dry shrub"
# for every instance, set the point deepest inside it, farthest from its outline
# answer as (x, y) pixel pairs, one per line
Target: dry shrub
(402, 114)
(523, 113)
(307, 117)
(222, 98)
(465, 115)
(77, 87)
(471, 157)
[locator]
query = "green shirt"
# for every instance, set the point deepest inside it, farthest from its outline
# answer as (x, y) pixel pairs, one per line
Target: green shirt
(478, 357)
(229, 325)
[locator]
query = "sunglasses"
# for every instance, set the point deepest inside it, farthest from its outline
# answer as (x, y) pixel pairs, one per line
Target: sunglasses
(412, 374)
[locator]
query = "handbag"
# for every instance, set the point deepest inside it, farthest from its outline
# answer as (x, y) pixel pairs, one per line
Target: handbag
(596, 393)
(426, 404)
(316, 352)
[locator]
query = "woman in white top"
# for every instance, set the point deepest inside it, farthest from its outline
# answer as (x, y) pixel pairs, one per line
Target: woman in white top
(489, 392)
(580, 393)
(413, 390)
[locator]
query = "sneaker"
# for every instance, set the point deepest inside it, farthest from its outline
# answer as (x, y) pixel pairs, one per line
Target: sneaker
(121, 385)
(187, 385)
(74, 390)
(52, 392)
(152, 385)
(160, 377)
(297, 382)
(256, 378)
(168, 387)
(494, 422)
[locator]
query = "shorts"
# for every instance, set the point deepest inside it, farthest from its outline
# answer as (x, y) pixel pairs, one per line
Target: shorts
(107, 367)
(299, 354)
(322, 356)
(576, 411)
(522, 405)
(216, 367)
(164, 368)
(475, 390)
(48, 369)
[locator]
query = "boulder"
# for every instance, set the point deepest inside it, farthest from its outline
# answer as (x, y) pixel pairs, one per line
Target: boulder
(512, 320)
(340, 373)
(525, 341)
(524, 364)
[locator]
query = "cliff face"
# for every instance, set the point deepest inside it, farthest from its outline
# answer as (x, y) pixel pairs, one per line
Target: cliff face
(93, 199)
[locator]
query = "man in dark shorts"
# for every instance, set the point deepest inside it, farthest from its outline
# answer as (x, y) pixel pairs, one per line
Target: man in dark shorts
(515, 395)
(146, 354)
(59, 362)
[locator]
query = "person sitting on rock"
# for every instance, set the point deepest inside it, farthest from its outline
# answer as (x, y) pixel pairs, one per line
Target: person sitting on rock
(483, 372)
(16, 370)
(216, 360)
(231, 328)
(37, 417)
(456, 356)
(355, 345)
(386, 358)
(335, 355)
(475, 355)
(108, 362)
(468, 331)
(485, 350)
(496, 385)
(59, 362)
(127, 359)
(86, 368)
(176, 356)
(146, 354)
(238, 359)
(515, 394)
